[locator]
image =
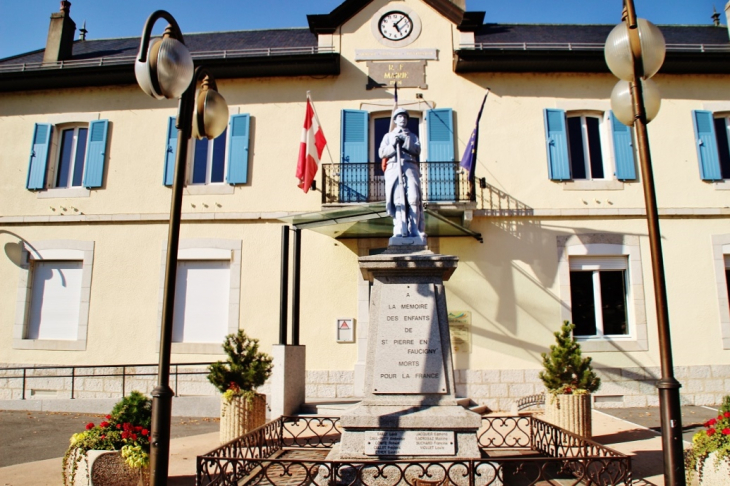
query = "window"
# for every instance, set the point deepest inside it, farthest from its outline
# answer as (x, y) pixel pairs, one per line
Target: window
(54, 293)
(221, 161)
(207, 294)
(602, 290)
(598, 295)
(68, 155)
(584, 141)
(361, 175)
(201, 301)
(588, 145)
(721, 257)
(713, 149)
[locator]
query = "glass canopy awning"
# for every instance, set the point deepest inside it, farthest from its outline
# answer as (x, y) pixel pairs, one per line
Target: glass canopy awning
(371, 221)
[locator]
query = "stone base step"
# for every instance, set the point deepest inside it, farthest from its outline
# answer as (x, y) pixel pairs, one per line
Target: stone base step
(330, 407)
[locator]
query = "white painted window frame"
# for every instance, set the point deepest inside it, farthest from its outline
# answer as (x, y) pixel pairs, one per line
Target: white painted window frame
(206, 249)
(721, 259)
(598, 245)
(52, 250)
(579, 264)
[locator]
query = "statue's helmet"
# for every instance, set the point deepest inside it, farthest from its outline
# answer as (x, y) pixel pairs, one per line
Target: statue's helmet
(401, 111)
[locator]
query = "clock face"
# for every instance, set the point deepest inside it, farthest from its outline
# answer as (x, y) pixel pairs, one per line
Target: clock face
(395, 25)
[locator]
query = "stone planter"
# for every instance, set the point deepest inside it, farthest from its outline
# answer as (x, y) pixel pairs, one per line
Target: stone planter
(107, 468)
(569, 412)
(239, 417)
(713, 471)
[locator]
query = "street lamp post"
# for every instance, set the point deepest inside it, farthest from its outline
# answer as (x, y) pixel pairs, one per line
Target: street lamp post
(635, 51)
(164, 70)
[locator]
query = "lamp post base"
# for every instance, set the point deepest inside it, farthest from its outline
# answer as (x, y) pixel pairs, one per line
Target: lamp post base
(160, 435)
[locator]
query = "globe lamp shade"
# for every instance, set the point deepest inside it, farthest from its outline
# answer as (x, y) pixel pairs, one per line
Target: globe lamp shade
(622, 105)
(211, 114)
(168, 70)
(618, 50)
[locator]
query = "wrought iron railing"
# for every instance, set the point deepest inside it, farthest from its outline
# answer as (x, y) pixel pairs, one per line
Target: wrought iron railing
(121, 371)
(365, 182)
(292, 451)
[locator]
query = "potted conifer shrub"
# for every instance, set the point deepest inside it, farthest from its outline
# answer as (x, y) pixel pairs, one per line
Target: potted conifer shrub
(242, 409)
(709, 455)
(569, 380)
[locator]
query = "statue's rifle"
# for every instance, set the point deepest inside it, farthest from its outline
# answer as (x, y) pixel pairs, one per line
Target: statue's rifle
(401, 177)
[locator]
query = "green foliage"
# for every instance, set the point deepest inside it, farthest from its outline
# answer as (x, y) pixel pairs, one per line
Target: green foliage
(126, 429)
(715, 438)
(566, 371)
(135, 408)
(245, 369)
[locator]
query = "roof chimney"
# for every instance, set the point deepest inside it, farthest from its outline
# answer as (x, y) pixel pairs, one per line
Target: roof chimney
(715, 17)
(60, 35)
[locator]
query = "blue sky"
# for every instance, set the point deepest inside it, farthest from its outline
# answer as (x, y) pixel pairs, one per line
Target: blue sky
(24, 23)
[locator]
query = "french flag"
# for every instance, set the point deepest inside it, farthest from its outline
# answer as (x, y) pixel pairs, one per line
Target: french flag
(310, 148)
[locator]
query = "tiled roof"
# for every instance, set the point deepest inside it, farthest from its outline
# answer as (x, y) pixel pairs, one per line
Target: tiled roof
(203, 42)
(589, 34)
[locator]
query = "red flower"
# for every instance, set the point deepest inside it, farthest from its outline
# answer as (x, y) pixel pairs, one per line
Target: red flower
(89, 426)
(103, 436)
(125, 435)
(569, 390)
(134, 436)
(127, 426)
(104, 424)
(119, 426)
(726, 414)
(108, 417)
(726, 431)
(710, 423)
(711, 432)
(145, 431)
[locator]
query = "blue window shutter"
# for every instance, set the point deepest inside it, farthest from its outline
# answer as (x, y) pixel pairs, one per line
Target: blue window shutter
(95, 153)
(170, 152)
(354, 164)
(238, 138)
(39, 156)
(706, 145)
(441, 176)
(440, 135)
(557, 145)
(623, 149)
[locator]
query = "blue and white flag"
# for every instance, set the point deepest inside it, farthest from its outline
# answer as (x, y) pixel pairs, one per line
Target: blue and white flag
(468, 160)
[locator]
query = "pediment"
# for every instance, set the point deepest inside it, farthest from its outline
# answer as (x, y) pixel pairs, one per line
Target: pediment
(452, 10)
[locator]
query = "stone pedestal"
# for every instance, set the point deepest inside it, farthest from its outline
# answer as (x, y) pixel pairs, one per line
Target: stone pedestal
(409, 410)
(288, 379)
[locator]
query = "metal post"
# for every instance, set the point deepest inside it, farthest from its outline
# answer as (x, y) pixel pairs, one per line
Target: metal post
(296, 286)
(284, 284)
(669, 403)
(73, 376)
(162, 393)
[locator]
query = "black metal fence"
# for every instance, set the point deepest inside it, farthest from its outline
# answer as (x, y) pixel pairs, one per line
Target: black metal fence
(120, 371)
(364, 182)
(292, 451)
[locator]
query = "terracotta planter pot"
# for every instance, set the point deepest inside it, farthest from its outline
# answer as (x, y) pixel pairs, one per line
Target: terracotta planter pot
(714, 471)
(239, 416)
(569, 412)
(107, 468)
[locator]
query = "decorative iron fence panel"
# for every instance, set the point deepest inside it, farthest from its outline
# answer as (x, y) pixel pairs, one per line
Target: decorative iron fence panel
(291, 451)
(365, 182)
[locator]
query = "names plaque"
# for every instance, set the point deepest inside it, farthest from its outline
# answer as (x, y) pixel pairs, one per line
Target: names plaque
(408, 354)
(407, 74)
(410, 443)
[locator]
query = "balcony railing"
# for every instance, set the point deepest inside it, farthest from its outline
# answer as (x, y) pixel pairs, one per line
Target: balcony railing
(364, 182)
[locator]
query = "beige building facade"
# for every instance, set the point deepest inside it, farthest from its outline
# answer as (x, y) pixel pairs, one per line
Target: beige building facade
(83, 266)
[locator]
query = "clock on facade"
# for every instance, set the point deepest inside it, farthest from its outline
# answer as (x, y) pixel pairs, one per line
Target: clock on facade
(395, 25)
